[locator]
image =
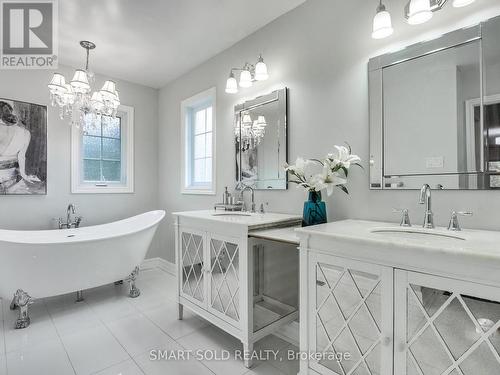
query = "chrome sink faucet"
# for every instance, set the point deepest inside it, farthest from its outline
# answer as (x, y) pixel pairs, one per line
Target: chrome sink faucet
(245, 188)
(425, 198)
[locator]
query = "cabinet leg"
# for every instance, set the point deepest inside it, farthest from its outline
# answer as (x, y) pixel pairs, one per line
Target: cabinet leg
(247, 354)
(181, 311)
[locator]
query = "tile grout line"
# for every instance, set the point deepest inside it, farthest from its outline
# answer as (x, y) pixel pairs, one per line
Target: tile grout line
(161, 329)
(59, 336)
(116, 339)
(3, 338)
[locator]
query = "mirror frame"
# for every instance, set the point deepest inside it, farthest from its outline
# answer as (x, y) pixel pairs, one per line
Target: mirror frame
(277, 95)
(378, 181)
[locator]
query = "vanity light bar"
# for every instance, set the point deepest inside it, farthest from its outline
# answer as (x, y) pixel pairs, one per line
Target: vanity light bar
(248, 74)
(416, 12)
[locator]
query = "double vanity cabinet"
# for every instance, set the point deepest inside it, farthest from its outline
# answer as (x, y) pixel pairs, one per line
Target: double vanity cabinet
(222, 258)
(380, 299)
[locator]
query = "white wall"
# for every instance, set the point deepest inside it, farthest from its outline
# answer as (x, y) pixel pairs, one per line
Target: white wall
(320, 51)
(37, 212)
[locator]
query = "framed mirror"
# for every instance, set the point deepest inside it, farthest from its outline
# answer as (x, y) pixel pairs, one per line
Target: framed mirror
(435, 114)
(261, 141)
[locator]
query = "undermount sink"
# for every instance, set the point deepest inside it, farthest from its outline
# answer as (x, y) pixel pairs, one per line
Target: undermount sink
(408, 232)
(232, 214)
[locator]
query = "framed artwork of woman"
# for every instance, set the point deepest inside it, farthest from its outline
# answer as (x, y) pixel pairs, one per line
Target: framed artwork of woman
(23, 148)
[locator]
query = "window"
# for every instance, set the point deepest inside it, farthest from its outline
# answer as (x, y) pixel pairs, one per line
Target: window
(198, 140)
(102, 154)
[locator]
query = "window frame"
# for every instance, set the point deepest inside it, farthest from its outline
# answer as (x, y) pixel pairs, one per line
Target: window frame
(79, 186)
(188, 107)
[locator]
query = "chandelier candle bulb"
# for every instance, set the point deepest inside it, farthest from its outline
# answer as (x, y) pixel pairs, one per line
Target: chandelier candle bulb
(57, 84)
(80, 82)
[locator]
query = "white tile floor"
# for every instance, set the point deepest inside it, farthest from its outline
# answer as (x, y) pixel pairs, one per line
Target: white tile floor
(111, 334)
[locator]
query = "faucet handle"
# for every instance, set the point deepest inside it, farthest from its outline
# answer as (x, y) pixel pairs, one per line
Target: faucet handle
(454, 225)
(405, 218)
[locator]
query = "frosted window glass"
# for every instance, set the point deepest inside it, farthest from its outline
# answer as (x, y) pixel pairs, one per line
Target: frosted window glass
(111, 148)
(92, 170)
(111, 170)
(91, 147)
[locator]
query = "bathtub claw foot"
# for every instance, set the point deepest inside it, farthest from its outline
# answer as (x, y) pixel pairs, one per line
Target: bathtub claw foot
(22, 300)
(134, 290)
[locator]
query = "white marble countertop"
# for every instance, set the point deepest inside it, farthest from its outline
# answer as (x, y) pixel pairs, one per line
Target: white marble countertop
(477, 242)
(251, 220)
(474, 253)
(286, 235)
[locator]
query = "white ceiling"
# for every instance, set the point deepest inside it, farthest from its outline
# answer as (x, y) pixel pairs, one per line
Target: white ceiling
(152, 42)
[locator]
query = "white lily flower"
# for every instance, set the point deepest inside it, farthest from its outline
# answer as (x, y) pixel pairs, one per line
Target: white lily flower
(327, 180)
(299, 167)
(344, 157)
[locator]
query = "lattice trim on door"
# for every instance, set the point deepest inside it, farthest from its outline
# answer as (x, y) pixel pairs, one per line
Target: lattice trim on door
(192, 252)
(430, 324)
(222, 282)
(347, 319)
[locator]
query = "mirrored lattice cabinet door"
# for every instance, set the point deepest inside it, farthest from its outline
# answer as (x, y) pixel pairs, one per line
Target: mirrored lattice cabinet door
(224, 282)
(193, 270)
(351, 318)
(445, 327)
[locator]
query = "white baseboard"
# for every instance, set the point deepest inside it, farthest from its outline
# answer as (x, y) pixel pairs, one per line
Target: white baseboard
(159, 263)
(289, 332)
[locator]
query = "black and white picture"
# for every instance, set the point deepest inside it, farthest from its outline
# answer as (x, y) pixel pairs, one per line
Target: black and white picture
(23, 148)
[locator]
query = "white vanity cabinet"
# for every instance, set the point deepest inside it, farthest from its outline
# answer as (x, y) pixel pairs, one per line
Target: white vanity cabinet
(219, 276)
(349, 313)
(210, 273)
(401, 305)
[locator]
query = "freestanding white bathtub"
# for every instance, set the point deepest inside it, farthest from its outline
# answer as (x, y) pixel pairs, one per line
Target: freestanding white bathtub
(52, 262)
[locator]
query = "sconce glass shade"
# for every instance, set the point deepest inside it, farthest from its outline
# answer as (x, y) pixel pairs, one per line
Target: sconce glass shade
(57, 84)
(462, 3)
(246, 79)
(80, 82)
(382, 23)
(261, 70)
(231, 84)
(420, 12)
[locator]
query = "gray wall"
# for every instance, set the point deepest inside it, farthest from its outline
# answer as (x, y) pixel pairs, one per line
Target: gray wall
(37, 212)
(320, 51)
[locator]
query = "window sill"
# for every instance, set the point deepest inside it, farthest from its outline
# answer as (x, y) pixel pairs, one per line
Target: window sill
(92, 189)
(189, 191)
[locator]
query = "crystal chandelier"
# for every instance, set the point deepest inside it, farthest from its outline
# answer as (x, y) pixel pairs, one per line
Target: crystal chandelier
(76, 99)
(251, 132)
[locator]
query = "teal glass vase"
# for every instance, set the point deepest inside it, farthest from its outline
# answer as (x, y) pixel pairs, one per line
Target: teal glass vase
(314, 210)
